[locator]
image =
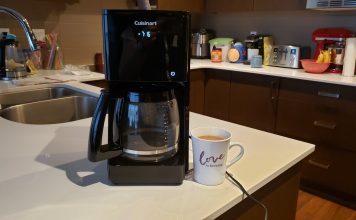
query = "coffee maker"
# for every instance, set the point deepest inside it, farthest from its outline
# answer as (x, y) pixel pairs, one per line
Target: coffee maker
(146, 57)
(333, 40)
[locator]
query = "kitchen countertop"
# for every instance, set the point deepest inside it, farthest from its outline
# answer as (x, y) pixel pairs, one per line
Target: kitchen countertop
(57, 76)
(45, 174)
(49, 77)
(275, 71)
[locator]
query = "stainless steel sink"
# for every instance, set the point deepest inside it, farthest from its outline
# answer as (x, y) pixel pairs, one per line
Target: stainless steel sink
(15, 98)
(51, 111)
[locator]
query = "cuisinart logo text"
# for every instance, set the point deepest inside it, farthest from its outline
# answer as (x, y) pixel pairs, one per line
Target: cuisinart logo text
(153, 23)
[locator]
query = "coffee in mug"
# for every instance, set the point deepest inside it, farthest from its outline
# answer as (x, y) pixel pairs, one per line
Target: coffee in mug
(211, 137)
(210, 149)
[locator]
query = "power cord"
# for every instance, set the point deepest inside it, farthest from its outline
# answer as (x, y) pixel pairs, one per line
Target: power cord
(248, 195)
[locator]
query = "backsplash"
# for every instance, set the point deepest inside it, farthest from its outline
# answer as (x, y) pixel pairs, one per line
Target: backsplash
(286, 27)
(77, 22)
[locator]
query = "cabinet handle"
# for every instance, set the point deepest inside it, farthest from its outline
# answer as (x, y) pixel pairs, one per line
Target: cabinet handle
(274, 90)
(323, 124)
(329, 94)
(318, 164)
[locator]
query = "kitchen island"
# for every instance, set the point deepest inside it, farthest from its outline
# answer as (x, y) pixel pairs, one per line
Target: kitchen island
(45, 174)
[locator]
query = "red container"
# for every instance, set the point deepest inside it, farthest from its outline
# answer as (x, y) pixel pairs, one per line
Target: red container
(310, 66)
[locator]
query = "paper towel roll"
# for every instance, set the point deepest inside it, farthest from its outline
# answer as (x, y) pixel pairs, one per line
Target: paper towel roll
(349, 57)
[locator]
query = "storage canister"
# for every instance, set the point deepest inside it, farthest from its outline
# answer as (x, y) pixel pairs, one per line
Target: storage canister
(224, 44)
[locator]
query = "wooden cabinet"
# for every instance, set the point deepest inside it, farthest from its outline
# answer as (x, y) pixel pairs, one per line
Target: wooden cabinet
(253, 5)
(330, 172)
(216, 96)
(279, 196)
(98, 83)
(320, 113)
(197, 91)
(242, 98)
(228, 5)
(253, 100)
(263, 5)
(323, 114)
(181, 5)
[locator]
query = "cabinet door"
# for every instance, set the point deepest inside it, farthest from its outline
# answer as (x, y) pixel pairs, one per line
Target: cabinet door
(196, 93)
(320, 113)
(263, 5)
(215, 6)
(181, 5)
(253, 100)
(331, 171)
(217, 89)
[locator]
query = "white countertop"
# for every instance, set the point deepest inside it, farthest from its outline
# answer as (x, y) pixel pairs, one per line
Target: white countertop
(58, 76)
(50, 77)
(45, 174)
(275, 71)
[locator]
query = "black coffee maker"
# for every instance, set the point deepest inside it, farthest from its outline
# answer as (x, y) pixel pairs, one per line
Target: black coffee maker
(146, 65)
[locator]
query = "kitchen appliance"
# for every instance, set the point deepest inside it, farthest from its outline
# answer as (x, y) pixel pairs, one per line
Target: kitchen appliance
(200, 44)
(332, 39)
(146, 56)
(331, 5)
(288, 56)
(14, 58)
(251, 43)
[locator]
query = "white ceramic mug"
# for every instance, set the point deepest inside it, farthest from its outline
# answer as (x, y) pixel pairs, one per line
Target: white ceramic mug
(210, 156)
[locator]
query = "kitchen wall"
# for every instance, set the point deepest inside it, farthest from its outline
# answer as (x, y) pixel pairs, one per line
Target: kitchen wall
(78, 23)
(286, 27)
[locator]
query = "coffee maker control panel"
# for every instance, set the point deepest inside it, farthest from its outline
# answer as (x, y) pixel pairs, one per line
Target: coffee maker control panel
(146, 47)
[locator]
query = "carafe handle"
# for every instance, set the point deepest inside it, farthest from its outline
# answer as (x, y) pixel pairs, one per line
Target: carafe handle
(97, 151)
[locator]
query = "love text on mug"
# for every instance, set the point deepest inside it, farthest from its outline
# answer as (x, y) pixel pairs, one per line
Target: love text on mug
(211, 161)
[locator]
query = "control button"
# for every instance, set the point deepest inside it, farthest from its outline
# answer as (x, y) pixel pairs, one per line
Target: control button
(173, 73)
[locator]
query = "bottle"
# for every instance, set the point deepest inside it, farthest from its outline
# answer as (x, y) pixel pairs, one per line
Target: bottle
(216, 55)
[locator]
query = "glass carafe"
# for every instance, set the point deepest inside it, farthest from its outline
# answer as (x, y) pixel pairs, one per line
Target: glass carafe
(146, 125)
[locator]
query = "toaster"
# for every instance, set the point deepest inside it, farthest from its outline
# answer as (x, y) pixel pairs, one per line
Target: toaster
(286, 56)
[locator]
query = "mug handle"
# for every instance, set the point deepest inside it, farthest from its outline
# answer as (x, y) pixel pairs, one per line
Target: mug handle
(238, 157)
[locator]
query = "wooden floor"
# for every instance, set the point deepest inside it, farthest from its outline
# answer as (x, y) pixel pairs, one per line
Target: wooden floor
(311, 207)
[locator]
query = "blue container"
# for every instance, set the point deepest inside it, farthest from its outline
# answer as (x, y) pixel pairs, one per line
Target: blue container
(241, 49)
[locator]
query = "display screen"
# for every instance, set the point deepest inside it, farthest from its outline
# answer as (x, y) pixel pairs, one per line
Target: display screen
(146, 45)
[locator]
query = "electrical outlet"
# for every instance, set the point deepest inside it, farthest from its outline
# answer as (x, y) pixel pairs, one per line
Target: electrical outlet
(5, 30)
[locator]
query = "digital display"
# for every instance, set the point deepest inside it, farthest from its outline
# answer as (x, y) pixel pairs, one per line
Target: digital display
(145, 46)
(144, 34)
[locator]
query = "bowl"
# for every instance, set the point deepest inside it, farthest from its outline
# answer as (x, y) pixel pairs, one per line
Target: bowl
(311, 66)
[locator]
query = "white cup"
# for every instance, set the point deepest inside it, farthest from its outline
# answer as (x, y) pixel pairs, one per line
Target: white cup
(251, 53)
(210, 156)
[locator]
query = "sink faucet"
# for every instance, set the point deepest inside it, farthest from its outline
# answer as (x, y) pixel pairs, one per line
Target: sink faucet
(32, 41)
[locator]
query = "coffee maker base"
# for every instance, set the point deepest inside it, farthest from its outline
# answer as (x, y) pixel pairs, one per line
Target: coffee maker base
(145, 174)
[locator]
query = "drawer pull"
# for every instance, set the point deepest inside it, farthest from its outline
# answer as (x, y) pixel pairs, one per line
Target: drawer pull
(317, 164)
(329, 94)
(323, 124)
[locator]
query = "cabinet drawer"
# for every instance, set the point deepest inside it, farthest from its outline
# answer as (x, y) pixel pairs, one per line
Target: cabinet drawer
(321, 113)
(332, 169)
(308, 91)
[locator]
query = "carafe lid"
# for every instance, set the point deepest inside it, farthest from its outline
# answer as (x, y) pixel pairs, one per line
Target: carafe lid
(155, 96)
